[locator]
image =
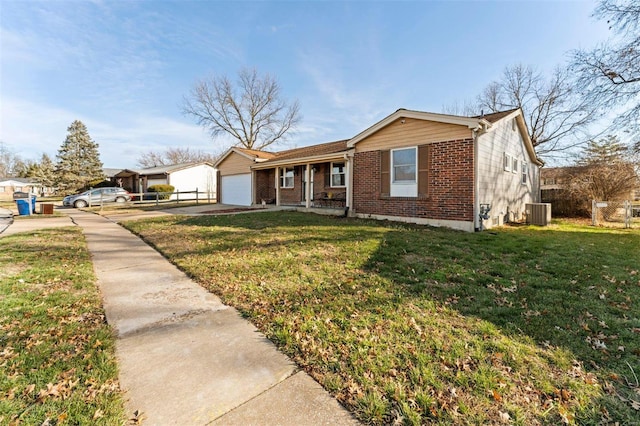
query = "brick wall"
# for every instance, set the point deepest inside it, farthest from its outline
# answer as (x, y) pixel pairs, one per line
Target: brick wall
(449, 193)
(265, 186)
(293, 196)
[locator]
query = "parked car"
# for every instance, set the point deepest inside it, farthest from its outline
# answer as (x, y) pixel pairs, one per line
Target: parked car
(97, 197)
(6, 218)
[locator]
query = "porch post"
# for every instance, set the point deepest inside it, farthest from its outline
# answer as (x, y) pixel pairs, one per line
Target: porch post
(307, 187)
(277, 186)
(348, 180)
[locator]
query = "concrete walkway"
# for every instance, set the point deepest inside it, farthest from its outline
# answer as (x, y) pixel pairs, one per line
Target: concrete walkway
(184, 357)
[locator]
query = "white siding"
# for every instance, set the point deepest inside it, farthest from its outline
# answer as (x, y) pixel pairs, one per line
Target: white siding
(151, 182)
(201, 177)
(502, 189)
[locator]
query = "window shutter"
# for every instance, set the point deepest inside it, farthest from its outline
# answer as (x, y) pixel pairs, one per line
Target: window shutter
(423, 170)
(327, 175)
(218, 186)
(385, 176)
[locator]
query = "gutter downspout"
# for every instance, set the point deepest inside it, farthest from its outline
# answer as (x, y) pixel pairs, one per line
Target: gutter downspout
(477, 132)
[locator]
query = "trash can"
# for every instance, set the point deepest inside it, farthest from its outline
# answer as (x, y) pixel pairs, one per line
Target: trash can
(24, 207)
(33, 204)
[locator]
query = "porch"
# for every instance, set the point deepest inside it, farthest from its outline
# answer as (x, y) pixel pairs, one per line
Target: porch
(314, 185)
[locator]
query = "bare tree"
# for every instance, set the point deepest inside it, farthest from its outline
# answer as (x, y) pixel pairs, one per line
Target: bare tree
(609, 75)
(174, 156)
(252, 112)
(556, 117)
(11, 164)
(604, 171)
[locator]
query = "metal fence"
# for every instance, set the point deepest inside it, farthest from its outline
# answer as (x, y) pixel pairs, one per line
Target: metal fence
(615, 213)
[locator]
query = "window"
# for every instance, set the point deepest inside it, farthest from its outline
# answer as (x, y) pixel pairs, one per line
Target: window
(286, 177)
(401, 172)
(550, 181)
(514, 169)
(403, 165)
(507, 162)
(524, 173)
(337, 175)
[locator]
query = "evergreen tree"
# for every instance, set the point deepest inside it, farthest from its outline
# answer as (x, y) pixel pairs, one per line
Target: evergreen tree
(43, 172)
(78, 160)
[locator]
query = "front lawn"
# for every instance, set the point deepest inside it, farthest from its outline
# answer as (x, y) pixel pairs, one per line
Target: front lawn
(420, 325)
(57, 354)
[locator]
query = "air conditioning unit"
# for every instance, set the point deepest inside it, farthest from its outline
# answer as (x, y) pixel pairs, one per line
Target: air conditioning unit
(538, 214)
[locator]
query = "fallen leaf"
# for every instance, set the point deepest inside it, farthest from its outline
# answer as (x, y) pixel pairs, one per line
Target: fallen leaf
(504, 417)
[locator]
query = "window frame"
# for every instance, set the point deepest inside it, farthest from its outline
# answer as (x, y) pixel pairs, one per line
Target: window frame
(515, 168)
(525, 173)
(343, 174)
(285, 176)
(507, 162)
(392, 166)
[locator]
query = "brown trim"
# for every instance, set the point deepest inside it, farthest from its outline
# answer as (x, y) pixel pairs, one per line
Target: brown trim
(218, 187)
(423, 170)
(385, 177)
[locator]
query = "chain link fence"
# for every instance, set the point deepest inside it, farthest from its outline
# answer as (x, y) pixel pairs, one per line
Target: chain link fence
(621, 214)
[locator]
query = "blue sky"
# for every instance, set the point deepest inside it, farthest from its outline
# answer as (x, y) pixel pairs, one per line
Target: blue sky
(123, 67)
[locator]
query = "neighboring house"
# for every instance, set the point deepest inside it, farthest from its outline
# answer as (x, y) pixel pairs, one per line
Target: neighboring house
(183, 177)
(412, 166)
(10, 185)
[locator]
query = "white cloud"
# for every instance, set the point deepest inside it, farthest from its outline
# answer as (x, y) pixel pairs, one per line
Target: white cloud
(31, 129)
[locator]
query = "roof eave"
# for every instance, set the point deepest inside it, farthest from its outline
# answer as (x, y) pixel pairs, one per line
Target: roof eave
(302, 160)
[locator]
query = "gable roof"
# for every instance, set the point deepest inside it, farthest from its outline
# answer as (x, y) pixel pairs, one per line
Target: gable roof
(331, 149)
(495, 116)
(471, 122)
(257, 154)
(19, 181)
(167, 169)
(252, 154)
(110, 172)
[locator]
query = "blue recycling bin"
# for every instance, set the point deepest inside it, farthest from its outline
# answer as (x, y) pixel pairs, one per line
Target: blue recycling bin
(24, 207)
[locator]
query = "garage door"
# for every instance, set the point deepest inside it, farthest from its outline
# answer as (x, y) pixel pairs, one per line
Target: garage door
(236, 190)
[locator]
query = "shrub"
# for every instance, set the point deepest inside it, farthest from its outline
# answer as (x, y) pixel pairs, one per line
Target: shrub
(164, 190)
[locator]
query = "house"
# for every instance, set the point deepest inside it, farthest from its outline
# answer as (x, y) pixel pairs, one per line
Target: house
(184, 177)
(10, 185)
(437, 169)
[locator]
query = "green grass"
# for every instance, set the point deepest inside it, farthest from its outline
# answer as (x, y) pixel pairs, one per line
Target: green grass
(57, 356)
(405, 323)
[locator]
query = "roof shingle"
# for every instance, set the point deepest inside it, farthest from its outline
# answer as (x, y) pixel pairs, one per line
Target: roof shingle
(313, 150)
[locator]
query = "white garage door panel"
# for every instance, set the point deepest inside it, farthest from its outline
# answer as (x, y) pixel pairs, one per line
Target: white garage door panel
(236, 190)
